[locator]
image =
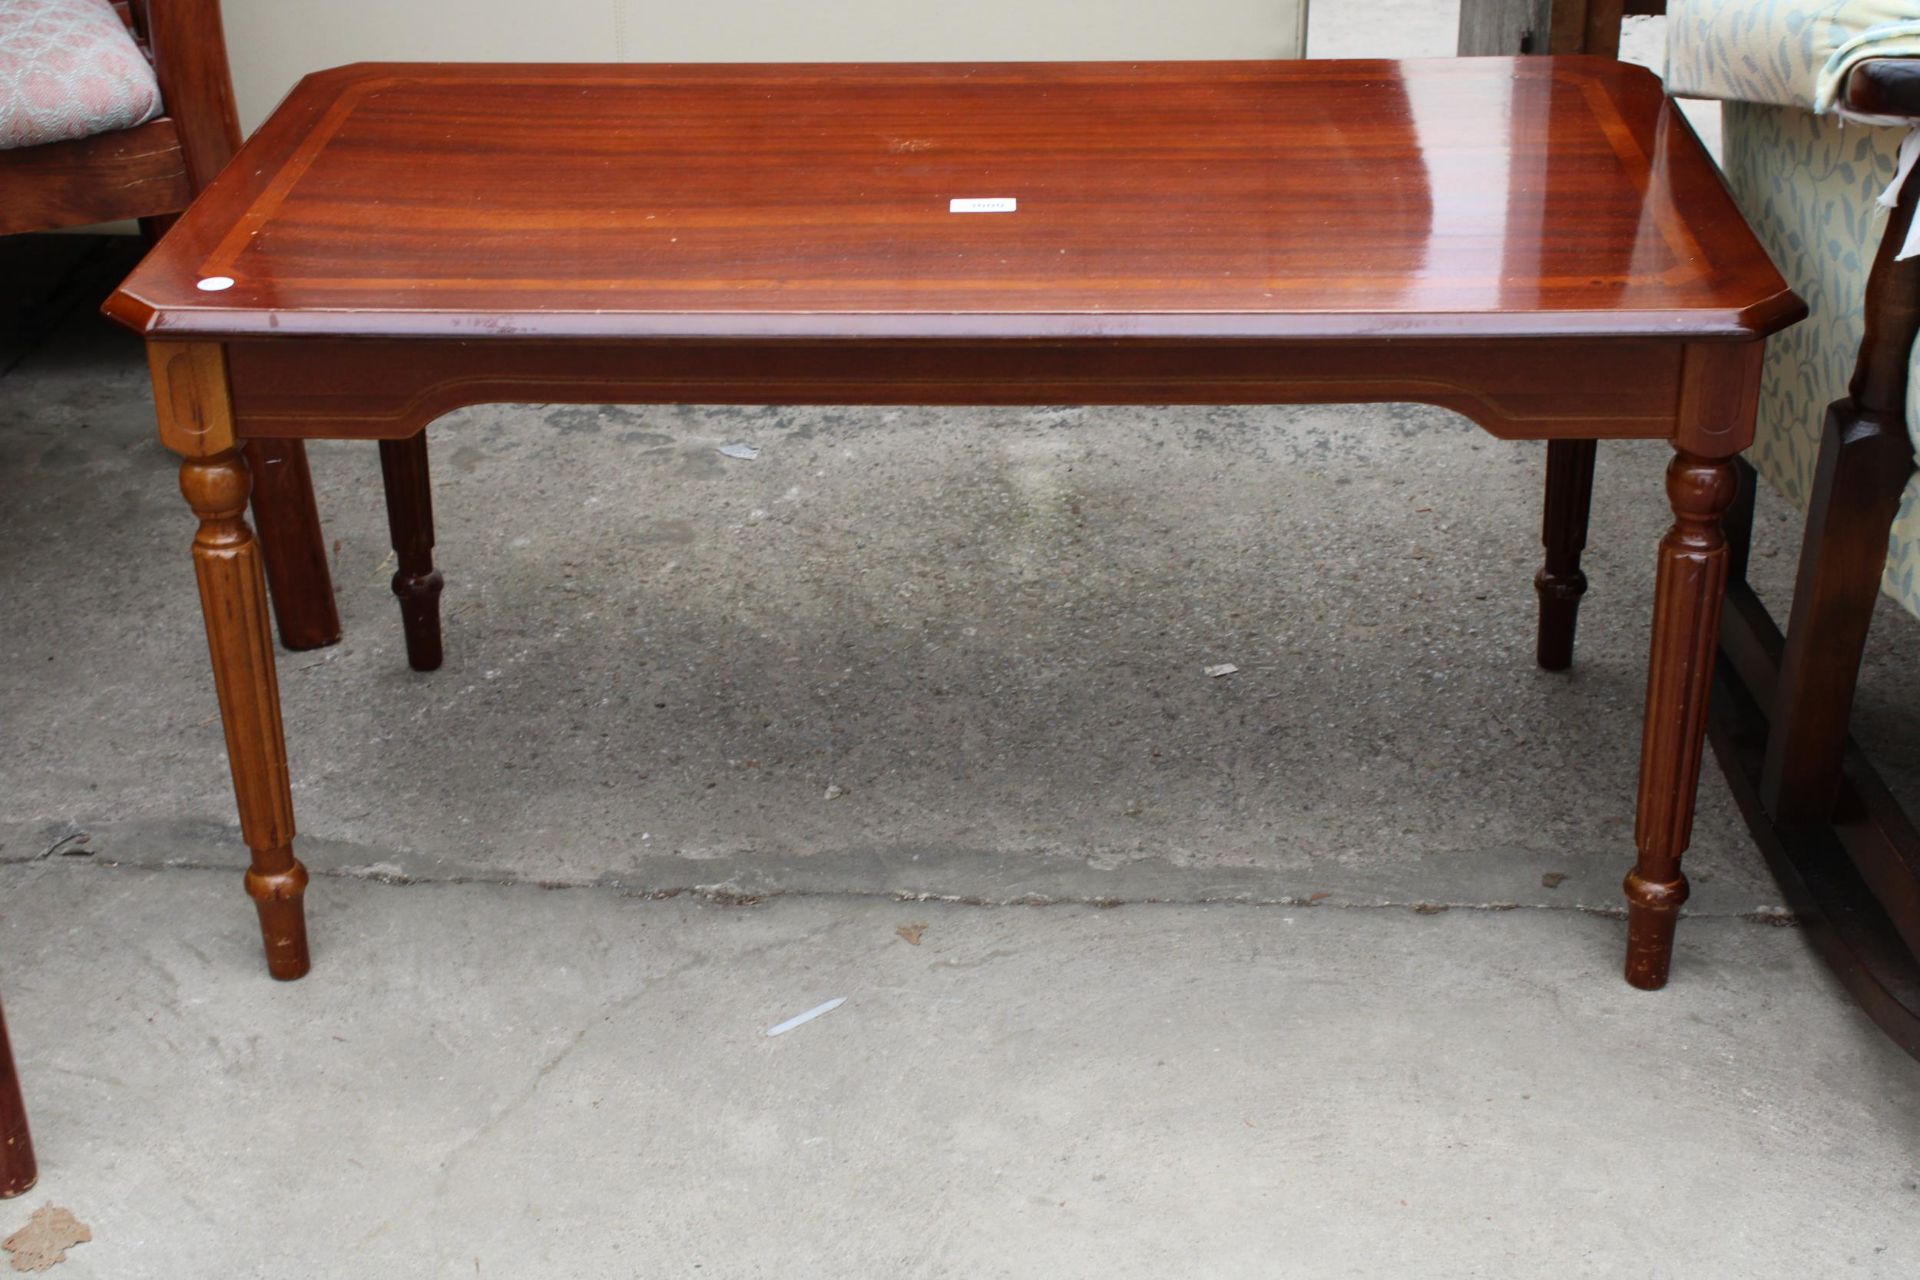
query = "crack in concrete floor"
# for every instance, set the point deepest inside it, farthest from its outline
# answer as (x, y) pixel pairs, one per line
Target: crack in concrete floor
(724, 895)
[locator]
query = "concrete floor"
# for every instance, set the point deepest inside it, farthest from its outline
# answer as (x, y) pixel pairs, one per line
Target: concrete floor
(506, 1081)
(533, 1041)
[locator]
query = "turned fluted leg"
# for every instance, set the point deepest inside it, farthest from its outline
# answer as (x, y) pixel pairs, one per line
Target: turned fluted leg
(288, 524)
(1564, 534)
(233, 596)
(1686, 627)
(18, 1172)
(195, 407)
(403, 465)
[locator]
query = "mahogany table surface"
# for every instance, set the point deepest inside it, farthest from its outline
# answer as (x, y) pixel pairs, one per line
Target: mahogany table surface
(1540, 244)
(1444, 199)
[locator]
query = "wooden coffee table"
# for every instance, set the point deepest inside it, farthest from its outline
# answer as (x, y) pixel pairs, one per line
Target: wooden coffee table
(1540, 244)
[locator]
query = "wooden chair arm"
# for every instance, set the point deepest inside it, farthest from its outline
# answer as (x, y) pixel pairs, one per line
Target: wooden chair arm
(1885, 87)
(190, 59)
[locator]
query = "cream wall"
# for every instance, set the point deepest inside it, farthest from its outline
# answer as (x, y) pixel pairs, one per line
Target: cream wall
(273, 43)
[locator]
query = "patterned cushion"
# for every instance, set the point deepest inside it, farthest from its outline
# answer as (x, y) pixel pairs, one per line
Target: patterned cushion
(68, 69)
(1807, 184)
(1791, 53)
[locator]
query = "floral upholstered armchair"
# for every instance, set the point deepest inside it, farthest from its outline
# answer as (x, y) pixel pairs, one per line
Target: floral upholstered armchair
(1822, 100)
(1808, 171)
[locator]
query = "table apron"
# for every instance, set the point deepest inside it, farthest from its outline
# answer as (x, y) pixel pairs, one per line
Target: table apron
(300, 388)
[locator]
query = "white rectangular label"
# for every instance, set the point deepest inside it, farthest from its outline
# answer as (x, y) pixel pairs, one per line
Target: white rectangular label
(982, 204)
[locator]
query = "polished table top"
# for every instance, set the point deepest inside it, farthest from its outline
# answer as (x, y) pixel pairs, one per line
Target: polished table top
(1539, 244)
(1445, 199)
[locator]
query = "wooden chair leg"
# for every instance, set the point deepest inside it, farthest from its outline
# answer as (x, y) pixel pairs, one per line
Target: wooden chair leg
(1691, 582)
(292, 543)
(1564, 534)
(1863, 468)
(18, 1172)
(417, 584)
(233, 596)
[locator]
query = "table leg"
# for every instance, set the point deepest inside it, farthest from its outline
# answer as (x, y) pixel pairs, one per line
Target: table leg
(18, 1172)
(1563, 532)
(403, 465)
(193, 401)
(1692, 579)
(233, 596)
(296, 551)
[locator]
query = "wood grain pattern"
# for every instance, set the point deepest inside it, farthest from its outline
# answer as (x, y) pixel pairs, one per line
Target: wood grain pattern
(188, 44)
(133, 173)
(1190, 201)
(233, 599)
(191, 397)
(18, 1171)
(1539, 244)
(1719, 398)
